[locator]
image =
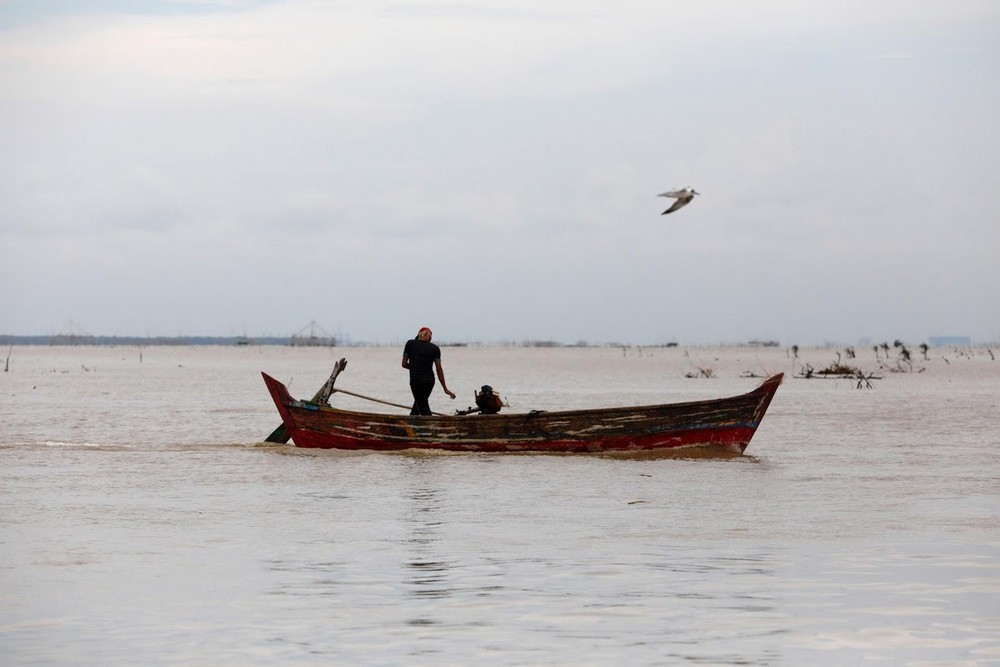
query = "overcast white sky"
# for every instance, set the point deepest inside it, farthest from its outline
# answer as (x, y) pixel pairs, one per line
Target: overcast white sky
(489, 168)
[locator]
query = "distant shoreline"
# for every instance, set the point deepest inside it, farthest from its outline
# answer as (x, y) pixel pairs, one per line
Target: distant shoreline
(112, 341)
(64, 340)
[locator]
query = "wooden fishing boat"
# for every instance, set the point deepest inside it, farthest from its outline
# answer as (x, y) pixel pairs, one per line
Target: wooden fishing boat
(722, 425)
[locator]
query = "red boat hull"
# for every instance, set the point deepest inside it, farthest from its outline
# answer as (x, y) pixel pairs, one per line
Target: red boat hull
(723, 425)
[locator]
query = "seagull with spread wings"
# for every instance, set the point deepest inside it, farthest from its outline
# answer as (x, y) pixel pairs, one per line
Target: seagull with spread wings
(683, 197)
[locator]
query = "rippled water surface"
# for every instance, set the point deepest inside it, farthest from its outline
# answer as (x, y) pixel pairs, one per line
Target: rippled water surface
(144, 522)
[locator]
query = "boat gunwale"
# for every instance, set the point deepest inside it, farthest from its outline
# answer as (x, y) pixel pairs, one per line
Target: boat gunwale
(763, 389)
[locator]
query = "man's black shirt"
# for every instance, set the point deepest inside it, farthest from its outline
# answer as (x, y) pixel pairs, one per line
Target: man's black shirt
(422, 355)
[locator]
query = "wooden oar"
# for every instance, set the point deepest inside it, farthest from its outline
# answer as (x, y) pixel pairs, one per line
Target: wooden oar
(281, 435)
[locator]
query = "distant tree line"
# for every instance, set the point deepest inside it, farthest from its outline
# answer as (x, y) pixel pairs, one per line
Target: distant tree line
(111, 341)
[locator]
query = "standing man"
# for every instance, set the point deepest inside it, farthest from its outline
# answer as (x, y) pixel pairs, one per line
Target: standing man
(419, 356)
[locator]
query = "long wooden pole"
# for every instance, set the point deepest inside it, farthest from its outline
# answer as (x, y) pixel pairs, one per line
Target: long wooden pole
(379, 400)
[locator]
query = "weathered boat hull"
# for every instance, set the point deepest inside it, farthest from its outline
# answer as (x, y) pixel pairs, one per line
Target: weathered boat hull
(724, 424)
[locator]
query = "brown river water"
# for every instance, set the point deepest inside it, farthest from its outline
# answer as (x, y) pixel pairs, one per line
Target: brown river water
(145, 523)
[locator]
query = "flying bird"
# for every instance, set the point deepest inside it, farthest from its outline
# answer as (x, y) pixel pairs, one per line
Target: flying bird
(683, 198)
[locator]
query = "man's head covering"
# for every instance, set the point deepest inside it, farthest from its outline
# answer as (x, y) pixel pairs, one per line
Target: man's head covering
(423, 329)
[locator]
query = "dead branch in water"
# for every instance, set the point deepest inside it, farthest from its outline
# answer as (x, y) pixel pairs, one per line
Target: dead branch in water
(866, 380)
(838, 370)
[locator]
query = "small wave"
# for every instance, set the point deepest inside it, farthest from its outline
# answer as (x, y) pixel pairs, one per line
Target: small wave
(131, 447)
(59, 444)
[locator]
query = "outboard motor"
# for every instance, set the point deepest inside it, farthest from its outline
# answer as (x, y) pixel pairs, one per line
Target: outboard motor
(488, 402)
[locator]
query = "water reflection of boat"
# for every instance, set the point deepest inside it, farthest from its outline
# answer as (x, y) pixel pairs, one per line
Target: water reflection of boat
(723, 425)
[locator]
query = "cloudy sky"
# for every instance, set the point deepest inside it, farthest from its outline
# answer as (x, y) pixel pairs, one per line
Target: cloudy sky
(489, 168)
